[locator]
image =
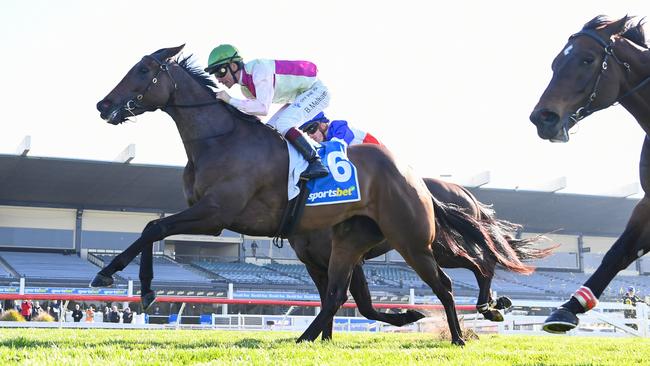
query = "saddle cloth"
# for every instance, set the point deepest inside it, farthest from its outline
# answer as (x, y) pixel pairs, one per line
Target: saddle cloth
(341, 185)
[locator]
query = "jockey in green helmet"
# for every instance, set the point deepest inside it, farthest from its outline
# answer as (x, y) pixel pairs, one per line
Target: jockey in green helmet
(263, 82)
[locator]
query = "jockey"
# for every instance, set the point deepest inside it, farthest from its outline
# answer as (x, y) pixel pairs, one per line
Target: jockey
(263, 82)
(321, 129)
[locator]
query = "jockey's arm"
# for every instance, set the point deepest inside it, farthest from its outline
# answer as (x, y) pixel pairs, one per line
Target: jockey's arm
(340, 130)
(264, 90)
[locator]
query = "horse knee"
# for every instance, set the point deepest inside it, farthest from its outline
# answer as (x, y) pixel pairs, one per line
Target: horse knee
(153, 230)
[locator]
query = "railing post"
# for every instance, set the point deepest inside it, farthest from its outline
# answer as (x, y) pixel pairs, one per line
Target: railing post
(178, 317)
(642, 317)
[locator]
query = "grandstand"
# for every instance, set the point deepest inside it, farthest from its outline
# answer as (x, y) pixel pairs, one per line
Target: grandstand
(62, 219)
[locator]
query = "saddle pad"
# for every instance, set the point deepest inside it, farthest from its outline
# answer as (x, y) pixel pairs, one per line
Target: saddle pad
(341, 185)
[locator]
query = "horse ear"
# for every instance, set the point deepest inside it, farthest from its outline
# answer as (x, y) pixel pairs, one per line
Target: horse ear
(616, 27)
(167, 53)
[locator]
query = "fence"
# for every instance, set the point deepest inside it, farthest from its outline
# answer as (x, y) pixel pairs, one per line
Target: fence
(608, 319)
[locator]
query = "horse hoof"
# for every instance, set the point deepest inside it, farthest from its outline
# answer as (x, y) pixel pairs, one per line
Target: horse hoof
(303, 339)
(102, 281)
(458, 342)
(503, 303)
(493, 315)
(414, 316)
(561, 320)
(147, 300)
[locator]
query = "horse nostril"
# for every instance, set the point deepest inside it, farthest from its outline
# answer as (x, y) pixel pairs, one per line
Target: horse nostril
(544, 116)
(103, 105)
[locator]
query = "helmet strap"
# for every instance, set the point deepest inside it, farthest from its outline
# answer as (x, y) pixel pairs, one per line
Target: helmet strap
(234, 72)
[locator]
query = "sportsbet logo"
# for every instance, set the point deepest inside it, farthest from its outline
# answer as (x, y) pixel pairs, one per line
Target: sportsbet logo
(331, 193)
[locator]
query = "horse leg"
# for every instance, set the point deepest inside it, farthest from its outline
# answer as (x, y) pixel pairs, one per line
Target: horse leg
(425, 265)
(361, 294)
(198, 219)
(351, 239)
(631, 245)
(147, 295)
(320, 280)
(484, 303)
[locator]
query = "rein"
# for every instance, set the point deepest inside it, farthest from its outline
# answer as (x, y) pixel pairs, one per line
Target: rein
(585, 110)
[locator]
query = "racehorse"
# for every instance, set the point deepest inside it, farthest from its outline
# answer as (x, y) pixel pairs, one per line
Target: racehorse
(605, 63)
(313, 249)
(242, 187)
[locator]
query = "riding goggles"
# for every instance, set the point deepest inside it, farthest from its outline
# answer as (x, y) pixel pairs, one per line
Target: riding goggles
(219, 70)
(311, 128)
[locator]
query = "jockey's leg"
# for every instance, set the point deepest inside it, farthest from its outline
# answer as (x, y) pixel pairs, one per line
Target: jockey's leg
(316, 169)
(306, 106)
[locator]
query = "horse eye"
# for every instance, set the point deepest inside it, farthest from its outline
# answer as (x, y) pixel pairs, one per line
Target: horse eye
(588, 61)
(144, 70)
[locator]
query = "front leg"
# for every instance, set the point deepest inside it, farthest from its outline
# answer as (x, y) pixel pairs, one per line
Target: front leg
(207, 217)
(631, 245)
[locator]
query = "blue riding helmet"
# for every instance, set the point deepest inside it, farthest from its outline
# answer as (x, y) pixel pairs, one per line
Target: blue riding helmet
(312, 123)
(631, 288)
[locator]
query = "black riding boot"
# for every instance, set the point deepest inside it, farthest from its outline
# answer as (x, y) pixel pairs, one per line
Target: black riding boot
(316, 169)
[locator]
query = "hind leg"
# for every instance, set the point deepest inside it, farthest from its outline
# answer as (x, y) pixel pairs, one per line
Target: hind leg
(361, 294)
(422, 261)
(351, 239)
(319, 277)
(484, 304)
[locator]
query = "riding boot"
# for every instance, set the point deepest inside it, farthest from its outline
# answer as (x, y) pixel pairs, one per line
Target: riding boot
(316, 169)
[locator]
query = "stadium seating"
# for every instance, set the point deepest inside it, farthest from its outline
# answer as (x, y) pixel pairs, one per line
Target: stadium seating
(386, 278)
(45, 266)
(165, 270)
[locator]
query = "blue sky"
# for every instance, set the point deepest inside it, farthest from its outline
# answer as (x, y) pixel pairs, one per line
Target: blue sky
(448, 86)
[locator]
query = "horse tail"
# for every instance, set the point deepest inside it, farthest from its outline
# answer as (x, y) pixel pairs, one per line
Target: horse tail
(473, 238)
(504, 233)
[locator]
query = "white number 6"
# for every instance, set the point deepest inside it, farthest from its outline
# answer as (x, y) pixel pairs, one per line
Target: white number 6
(341, 170)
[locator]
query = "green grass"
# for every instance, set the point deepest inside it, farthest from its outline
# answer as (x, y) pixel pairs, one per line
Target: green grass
(164, 347)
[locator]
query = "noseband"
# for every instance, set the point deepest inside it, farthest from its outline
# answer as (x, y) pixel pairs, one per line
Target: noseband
(608, 49)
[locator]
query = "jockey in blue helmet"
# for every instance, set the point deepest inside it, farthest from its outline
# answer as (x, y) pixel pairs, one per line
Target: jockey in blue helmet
(321, 129)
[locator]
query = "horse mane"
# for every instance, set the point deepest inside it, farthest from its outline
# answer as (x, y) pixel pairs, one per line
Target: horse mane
(632, 30)
(204, 79)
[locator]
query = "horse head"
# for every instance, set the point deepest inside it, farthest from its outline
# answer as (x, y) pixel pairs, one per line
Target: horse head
(147, 86)
(590, 73)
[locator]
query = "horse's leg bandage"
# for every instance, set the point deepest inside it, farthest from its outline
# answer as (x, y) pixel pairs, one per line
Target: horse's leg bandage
(586, 298)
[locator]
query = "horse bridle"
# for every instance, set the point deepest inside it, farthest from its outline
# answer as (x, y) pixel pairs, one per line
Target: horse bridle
(585, 110)
(132, 104)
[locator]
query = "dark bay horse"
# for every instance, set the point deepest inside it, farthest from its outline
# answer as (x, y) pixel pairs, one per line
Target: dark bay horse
(230, 183)
(313, 249)
(605, 63)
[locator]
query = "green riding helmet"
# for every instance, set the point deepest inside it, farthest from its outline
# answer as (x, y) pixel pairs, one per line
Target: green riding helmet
(220, 55)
